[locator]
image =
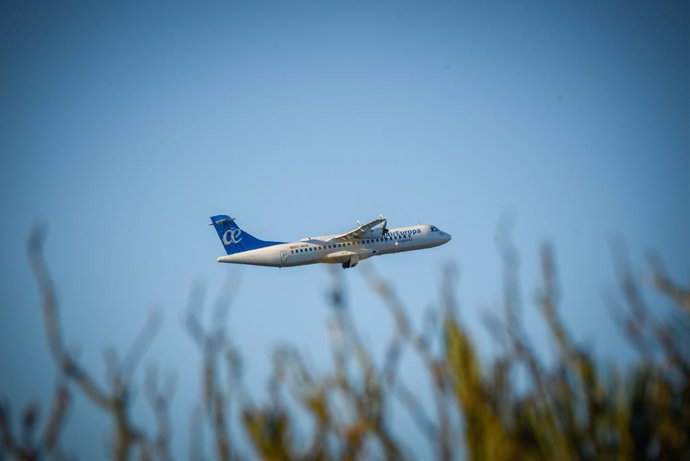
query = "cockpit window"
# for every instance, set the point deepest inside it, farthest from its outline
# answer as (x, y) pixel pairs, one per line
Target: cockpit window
(434, 229)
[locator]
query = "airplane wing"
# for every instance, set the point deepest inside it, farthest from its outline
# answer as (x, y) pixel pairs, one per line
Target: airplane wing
(360, 230)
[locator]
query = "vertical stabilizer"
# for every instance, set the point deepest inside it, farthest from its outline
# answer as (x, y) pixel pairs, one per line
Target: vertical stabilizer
(234, 239)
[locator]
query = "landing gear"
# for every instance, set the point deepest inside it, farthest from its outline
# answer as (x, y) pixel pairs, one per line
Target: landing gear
(351, 262)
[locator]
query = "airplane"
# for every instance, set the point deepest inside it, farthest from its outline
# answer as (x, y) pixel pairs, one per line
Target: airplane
(347, 249)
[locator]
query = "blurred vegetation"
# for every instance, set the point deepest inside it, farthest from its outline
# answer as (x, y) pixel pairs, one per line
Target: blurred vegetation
(571, 408)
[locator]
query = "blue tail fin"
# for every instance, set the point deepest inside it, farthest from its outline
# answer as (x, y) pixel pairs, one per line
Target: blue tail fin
(234, 239)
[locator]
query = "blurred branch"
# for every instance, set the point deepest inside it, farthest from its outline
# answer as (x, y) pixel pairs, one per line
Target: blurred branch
(665, 285)
(214, 346)
(117, 403)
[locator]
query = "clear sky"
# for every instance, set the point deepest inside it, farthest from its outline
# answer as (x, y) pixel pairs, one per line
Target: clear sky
(125, 126)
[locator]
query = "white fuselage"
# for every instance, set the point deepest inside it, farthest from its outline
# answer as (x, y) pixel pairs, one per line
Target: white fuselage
(349, 251)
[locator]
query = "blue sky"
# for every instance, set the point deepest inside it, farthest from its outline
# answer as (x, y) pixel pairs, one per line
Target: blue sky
(125, 126)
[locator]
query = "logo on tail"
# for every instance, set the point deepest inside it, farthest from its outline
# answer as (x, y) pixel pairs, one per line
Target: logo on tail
(232, 236)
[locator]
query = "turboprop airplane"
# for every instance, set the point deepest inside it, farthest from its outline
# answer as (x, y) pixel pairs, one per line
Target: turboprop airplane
(347, 249)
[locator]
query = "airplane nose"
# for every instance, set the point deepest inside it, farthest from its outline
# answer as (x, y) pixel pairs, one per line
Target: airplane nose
(446, 237)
